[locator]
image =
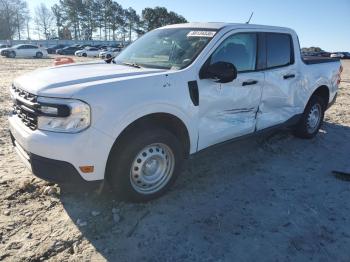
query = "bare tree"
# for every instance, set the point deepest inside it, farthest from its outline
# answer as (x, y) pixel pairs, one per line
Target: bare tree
(12, 18)
(44, 19)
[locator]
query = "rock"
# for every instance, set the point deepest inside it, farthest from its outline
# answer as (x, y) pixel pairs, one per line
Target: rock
(81, 223)
(116, 218)
(29, 235)
(7, 212)
(14, 245)
(59, 246)
(50, 190)
(95, 213)
(29, 214)
(75, 248)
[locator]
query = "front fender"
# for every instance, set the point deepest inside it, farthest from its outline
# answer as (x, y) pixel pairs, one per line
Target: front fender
(139, 111)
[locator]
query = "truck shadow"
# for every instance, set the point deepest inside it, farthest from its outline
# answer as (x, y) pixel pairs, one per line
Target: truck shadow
(227, 199)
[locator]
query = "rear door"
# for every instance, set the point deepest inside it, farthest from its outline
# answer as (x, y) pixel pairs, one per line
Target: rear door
(229, 110)
(32, 50)
(281, 81)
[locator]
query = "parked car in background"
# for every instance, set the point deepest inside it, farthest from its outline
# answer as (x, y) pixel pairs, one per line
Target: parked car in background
(24, 50)
(324, 54)
(110, 53)
(4, 46)
(346, 55)
(343, 55)
(88, 52)
(174, 92)
(69, 50)
(52, 50)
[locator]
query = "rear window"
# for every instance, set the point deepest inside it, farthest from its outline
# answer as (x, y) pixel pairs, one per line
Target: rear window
(279, 50)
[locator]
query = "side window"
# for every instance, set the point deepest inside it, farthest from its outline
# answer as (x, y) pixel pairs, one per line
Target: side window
(239, 49)
(279, 50)
(22, 47)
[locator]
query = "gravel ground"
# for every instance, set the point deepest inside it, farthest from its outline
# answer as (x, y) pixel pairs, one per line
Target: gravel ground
(270, 198)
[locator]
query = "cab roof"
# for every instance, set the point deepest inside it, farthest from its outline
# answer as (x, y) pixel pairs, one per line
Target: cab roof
(221, 25)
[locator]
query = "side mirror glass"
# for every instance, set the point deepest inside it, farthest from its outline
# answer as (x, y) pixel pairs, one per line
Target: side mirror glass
(223, 72)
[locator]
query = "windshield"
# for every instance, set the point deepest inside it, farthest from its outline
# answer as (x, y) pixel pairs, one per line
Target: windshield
(174, 48)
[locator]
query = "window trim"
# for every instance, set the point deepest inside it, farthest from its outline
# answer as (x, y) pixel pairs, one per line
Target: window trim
(292, 55)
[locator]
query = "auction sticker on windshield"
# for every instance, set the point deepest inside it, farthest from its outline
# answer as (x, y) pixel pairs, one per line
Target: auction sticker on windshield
(201, 34)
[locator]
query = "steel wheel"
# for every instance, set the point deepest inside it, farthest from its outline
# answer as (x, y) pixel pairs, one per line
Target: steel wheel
(314, 118)
(152, 168)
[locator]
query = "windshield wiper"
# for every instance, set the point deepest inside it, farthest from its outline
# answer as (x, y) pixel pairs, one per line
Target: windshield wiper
(131, 64)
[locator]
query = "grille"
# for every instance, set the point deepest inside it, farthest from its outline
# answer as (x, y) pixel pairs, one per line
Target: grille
(25, 107)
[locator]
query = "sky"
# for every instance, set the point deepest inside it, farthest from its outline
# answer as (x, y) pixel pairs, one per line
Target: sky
(323, 23)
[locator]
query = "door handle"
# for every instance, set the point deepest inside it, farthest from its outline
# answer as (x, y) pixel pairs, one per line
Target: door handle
(249, 83)
(288, 76)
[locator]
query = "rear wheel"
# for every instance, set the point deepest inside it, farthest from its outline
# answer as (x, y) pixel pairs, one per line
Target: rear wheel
(145, 164)
(311, 119)
(39, 55)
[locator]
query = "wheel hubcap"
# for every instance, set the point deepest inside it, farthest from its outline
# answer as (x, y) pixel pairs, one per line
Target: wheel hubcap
(152, 168)
(314, 118)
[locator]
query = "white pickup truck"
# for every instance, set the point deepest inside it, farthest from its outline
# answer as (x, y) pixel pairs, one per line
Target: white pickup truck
(179, 89)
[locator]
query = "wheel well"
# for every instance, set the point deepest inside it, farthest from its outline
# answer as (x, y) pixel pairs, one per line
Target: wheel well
(172, 123)
(322, 92)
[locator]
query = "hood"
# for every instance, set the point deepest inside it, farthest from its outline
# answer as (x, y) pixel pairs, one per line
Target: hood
(64, 81)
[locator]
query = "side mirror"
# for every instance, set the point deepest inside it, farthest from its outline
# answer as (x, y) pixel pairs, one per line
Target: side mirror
(223, 72)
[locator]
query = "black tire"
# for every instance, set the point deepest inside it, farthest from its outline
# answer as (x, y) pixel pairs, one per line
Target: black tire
(304, 129)
(129, 149)
(39, 55)
(11, 54)
(84, 55)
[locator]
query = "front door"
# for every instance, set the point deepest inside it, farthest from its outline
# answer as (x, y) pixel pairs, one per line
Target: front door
(229, 110)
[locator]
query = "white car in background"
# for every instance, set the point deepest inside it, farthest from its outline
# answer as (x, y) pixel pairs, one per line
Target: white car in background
(24, 50)
(88, 52)
(110, 53)
(337, 55)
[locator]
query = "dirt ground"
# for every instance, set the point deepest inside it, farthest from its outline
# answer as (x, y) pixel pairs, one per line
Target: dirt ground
(271, 198)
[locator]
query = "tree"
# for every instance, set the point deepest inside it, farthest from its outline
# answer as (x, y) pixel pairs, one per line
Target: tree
(58, 15)
(44, 20)
(12, 18)
(117, 18)
(159, 16)
(106, 19)
(132, 20)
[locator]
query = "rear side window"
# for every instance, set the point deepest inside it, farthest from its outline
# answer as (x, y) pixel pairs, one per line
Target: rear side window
(279, 50)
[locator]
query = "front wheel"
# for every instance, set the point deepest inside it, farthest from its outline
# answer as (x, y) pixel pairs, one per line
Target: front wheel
(12, 54)
(145, 164)
(311, 119)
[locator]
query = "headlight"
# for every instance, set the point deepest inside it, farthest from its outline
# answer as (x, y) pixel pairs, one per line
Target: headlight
(63, 115)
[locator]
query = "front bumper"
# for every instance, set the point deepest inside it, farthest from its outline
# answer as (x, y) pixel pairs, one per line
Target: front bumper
(57, 157)
(51, 170)
(4, 53)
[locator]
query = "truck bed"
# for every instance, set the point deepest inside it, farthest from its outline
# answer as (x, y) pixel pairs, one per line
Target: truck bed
(310, 60)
